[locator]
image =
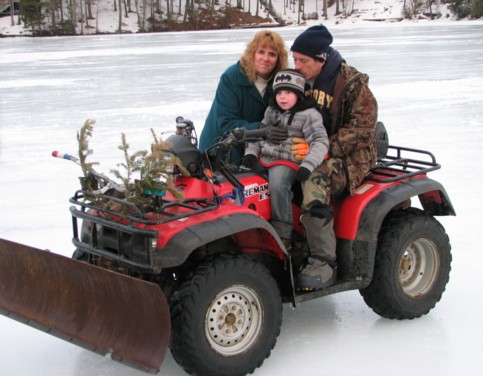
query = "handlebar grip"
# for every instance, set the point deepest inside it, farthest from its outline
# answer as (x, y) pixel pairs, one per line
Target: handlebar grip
(256, 133)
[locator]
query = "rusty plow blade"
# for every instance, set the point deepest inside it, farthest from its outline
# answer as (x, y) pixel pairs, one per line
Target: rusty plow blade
(121, 317)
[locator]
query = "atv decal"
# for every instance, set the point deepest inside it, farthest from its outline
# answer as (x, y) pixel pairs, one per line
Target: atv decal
(363, 189)
(255, 189)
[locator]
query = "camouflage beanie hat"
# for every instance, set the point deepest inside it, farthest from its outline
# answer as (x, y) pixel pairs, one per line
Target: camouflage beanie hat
(289, 79)
(313, 42)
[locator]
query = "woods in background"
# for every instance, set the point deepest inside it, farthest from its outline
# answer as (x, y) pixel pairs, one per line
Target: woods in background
(71, 17)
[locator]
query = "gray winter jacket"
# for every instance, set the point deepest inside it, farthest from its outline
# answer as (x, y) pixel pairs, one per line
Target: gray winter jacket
(300, 122)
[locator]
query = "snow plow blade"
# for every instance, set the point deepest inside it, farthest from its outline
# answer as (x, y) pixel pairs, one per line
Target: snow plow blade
(124, 318)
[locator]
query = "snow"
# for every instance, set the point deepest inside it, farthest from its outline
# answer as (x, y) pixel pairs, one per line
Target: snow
(429, 84)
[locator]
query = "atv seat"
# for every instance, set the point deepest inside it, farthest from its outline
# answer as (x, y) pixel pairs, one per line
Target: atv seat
(382, 140)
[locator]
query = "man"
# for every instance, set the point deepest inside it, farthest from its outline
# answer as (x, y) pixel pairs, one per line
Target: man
(349, 111)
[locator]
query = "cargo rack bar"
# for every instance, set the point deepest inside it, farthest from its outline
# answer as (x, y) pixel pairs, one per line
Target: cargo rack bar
(133, 213)
(400, 166)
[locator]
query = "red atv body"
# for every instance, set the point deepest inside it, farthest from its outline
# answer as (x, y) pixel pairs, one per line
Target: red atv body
(225, 272)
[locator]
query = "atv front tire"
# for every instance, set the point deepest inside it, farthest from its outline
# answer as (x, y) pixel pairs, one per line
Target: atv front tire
(412, 266)
(226, 318)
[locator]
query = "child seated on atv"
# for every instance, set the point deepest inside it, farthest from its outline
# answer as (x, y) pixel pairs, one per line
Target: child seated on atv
(290, 109)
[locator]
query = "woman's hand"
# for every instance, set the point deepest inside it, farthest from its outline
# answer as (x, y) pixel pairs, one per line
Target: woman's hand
(299, 148)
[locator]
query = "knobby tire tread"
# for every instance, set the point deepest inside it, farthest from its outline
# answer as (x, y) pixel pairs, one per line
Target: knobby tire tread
(384, 295)
(184, 309)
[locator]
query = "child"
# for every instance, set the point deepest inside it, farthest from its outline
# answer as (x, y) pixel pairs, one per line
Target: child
(289, 109)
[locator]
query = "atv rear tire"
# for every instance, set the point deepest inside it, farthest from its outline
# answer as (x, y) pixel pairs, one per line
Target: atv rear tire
(226, 318)
(412, 266)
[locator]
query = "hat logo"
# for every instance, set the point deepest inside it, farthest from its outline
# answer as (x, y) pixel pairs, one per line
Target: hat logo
(283, 78)
(322, 56)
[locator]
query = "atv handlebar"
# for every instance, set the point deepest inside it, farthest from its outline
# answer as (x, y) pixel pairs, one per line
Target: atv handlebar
(105, 182)
(243, 134)
(185, 127)
(239, 136)
(234, 138)
(58, 154)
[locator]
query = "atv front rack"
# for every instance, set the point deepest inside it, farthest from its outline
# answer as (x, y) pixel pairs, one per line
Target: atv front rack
(116, 230)
(402, 163)
(168, 210)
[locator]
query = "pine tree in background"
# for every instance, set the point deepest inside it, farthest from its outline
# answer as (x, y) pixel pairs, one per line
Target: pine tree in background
(466, 8)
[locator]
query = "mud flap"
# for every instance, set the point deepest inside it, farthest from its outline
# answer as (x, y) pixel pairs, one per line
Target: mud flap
(124, 318)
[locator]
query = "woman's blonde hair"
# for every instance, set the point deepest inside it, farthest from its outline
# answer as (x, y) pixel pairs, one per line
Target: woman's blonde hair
(264, 39)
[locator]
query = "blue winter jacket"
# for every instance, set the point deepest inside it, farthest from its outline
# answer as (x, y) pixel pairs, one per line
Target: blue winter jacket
(237, 104)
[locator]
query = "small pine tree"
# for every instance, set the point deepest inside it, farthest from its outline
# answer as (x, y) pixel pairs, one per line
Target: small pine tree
(154, 170)
(88, 182)
(130, 166)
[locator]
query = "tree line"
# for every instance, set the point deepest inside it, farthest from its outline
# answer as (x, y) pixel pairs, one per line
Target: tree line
(71, 17)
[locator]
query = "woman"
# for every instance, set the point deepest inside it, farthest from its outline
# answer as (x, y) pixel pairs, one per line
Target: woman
(243, 91)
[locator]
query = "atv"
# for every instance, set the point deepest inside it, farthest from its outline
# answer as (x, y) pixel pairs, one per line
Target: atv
(210, 275)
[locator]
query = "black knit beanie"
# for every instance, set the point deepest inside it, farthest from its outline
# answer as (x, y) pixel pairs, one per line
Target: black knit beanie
(313, 42)
(289, 79)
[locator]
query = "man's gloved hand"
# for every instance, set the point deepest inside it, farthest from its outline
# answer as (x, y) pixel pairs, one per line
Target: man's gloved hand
(299, 148)
(276, 135)
(302, 174)
(249, 160)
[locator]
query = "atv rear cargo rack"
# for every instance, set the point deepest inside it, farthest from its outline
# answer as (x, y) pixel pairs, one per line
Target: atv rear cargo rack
(401, 164)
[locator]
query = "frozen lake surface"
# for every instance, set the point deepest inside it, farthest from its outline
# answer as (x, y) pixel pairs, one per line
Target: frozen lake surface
(428, 79)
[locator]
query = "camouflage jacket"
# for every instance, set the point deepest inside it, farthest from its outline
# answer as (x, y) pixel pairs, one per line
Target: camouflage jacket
(353, 118)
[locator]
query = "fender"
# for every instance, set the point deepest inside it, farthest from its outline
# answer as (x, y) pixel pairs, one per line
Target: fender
(250, 230)
(360, 219)
(376, 200)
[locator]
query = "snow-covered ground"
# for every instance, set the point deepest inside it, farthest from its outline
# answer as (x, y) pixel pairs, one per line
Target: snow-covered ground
(106, 20)
(429, 84)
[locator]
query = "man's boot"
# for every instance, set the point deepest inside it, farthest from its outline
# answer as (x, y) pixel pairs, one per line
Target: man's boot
(321, 269)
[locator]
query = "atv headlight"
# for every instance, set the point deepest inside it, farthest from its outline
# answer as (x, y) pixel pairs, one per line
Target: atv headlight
(154, 243)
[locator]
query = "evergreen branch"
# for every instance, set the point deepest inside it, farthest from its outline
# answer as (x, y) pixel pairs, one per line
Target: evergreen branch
(83, 138)
(155, 171)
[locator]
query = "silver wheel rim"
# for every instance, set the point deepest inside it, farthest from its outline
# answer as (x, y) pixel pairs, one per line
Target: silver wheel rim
(418, 267)
(234, 320)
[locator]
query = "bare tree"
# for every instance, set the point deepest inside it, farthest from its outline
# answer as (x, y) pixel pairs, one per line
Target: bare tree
(89, 9)
(12, 22)
(97, 17)
(186, 11)
(119, 28)
(429, 4)
(81, 17)
(300, 10)
(168, 9)
(73, 14)
(141, 13)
